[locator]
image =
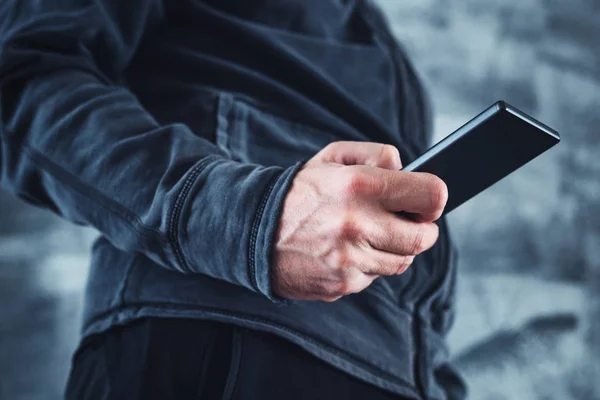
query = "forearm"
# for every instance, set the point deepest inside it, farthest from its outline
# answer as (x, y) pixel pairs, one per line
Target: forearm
(77, 143)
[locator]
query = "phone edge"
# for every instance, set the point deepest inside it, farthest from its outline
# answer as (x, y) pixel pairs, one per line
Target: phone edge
(454, 136)
(528, 118)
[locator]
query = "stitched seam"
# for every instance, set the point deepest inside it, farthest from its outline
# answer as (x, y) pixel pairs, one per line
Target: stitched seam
(136, 307)
(125, 283)
(176, 212)
(117, 209)
(205, 366)
(236, 360)
(254, 234)
(363, 115)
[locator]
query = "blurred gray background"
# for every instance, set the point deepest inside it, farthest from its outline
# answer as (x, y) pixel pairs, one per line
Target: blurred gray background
(528, 298)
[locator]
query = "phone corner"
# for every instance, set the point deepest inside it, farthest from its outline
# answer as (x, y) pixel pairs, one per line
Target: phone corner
(502, 105)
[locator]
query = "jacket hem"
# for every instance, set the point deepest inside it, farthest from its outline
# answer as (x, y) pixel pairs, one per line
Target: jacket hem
(346, 362)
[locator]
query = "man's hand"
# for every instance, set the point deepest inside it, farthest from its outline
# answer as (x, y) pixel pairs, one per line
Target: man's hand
(338, 231)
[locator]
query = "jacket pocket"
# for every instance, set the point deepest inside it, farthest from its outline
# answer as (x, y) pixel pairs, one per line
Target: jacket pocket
(255, 133)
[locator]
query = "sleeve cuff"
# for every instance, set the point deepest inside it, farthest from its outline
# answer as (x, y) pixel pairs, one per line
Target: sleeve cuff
(264, 233)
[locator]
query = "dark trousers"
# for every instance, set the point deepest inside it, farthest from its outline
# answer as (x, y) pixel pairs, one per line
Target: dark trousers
(194, 359)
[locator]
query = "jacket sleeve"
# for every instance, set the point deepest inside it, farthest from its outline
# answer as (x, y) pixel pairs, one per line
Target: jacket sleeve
(76, 142)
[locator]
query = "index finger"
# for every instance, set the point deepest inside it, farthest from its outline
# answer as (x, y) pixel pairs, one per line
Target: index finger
(418, 193)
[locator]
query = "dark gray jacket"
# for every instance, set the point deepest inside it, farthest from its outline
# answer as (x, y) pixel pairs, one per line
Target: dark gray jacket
(176, 127)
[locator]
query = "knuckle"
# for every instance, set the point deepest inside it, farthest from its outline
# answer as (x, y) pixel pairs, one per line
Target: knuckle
(354, 184)
(345, 284)
(332, 146)
(418, 241)
(358, 183)
(341, 261)
(389, 152)
(339, 288)
(330, 149)
(404, 264)
(350, 286)
(348, 227)
(345, 287)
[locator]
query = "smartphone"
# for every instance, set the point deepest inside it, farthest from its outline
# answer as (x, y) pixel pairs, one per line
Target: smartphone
(483, 151)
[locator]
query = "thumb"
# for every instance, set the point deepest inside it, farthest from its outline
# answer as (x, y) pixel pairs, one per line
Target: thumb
(362, 153)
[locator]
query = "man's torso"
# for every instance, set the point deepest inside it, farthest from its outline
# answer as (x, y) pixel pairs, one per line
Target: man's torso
(280, 80)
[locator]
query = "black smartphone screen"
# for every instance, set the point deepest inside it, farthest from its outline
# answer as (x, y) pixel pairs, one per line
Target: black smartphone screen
(483, 151)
